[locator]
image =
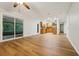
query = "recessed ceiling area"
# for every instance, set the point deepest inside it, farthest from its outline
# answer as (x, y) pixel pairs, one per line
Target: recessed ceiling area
(53, 8)
(41, 9)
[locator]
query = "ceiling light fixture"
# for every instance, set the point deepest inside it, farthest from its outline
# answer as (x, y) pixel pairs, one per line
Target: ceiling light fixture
(20, 1)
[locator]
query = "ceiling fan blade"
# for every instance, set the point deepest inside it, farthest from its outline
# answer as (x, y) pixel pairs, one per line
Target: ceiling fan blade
(26, 5)
(15, 4)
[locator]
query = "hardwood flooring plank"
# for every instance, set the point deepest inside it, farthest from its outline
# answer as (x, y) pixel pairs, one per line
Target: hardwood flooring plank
(38, 45)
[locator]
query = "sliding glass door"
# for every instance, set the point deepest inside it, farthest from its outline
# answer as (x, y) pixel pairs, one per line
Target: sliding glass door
(19, 28)
(12, 27)
(8, 27)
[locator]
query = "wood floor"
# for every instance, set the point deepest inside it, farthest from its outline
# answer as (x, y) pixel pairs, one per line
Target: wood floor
(39, 45)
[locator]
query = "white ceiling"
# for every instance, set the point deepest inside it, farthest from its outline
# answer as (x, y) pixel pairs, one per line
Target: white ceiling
(41, 9)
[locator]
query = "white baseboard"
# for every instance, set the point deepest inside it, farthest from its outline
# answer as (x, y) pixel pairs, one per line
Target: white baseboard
(19, 37)
(31, 34)
(6, 40)
(73, 45)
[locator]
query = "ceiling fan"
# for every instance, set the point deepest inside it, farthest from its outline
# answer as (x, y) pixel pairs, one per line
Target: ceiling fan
(22, 3)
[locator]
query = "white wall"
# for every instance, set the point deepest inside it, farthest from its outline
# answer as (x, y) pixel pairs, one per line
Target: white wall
(0, 25)
(10, 14)
(30, 26)
(30, 23)
(72, 26)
